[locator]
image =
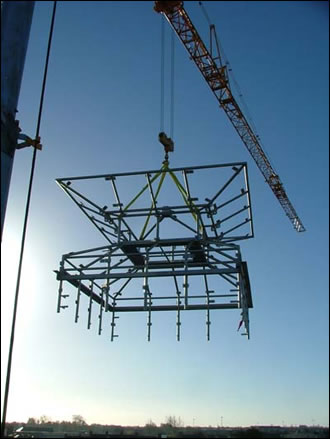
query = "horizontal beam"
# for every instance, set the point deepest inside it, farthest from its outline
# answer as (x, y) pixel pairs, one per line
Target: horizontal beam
(63, 275)
(154, 171)
(176, 307)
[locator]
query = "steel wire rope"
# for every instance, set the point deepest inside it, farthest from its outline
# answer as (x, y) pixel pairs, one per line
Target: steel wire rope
(27, 208)
(238, 94)
(172, 85)
(162, 67)
(240, 97)
(162, 80)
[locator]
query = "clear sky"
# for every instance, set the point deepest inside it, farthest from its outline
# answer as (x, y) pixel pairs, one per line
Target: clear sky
(101, 115)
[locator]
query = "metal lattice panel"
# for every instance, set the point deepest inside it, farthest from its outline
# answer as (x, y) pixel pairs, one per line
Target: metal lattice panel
(190, 244)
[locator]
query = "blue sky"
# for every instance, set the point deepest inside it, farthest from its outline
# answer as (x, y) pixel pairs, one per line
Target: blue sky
(102, 115)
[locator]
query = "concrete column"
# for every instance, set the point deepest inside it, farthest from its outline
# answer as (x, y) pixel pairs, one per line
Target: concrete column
(16, 19)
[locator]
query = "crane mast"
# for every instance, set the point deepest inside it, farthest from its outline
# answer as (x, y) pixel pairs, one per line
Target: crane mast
(216, 76)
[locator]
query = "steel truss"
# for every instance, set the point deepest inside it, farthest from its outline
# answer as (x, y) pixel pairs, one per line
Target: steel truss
(191, 246)
(216, 76)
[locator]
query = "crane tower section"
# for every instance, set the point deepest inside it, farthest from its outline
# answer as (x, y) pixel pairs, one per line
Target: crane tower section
(216, 76)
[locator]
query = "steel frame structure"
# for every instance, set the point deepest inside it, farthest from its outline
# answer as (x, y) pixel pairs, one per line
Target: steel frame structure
(192, 244)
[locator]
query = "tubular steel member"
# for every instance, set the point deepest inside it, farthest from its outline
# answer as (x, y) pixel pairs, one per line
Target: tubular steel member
(192, 244)
(215, 74)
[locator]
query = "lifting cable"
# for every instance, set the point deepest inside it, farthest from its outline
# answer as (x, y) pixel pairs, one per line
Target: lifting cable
(238, 92)
(162, 67)
(172, 86)
(162, 79)
(27, 208)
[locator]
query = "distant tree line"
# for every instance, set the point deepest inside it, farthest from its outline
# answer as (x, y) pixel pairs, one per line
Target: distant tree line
(172, 427)
(76, 419)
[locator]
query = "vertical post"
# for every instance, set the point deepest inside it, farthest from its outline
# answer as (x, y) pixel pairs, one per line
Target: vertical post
(101, 309)
(208, 301)
(157, 227)
(147, 294)
(185, 278)
(145, 280)
(60, 290)
(107, 285)
(149, 324)
(114, 317)
(119, 230)
(178, 321)
(208, 322)
(89, 323)
(16, 19)
(78, 301)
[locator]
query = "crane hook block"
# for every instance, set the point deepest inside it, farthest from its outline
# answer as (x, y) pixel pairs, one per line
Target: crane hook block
(167, 142)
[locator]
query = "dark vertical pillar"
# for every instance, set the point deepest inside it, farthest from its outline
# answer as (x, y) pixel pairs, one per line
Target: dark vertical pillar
(16, 18)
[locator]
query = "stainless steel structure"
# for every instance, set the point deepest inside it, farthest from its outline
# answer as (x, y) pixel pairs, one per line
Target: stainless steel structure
(192, 245)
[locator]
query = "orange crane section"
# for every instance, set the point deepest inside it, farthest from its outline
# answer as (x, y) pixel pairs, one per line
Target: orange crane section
(216, 77)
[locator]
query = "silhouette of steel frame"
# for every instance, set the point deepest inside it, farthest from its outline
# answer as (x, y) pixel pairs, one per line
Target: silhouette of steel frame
(208, 254)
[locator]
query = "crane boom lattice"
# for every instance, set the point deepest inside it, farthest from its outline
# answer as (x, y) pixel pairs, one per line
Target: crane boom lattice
(216, 76)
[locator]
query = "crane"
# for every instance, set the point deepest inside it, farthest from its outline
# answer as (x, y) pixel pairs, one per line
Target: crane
(216, 75)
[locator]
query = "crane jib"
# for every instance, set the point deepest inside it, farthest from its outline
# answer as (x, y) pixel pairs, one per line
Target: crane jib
(216, 77)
